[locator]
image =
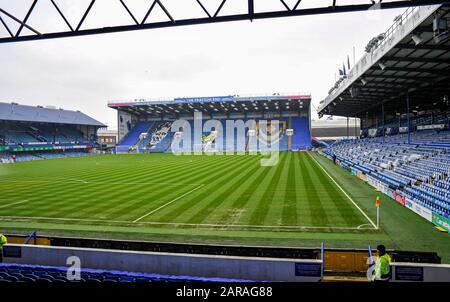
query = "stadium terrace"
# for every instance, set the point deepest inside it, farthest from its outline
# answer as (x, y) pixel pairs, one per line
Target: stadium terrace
(146, 125)
(28, 132)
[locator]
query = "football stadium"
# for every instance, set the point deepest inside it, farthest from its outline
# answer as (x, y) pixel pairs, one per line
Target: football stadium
(238, 187)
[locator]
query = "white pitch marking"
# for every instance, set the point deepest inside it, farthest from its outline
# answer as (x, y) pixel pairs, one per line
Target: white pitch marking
(78, 180)
(345, 193)
(361, 226)
(250, 226)
(63, 219)
(188, 224)
(100, 182)
(11, 204)
(170, 202)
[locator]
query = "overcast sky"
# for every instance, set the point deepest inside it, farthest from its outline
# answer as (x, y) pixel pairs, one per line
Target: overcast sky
(295, 54)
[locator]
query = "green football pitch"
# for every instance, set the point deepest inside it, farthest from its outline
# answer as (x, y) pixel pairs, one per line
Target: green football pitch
(228, 199)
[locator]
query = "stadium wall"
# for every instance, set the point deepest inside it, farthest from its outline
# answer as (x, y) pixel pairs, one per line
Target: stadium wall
(334, 260)
(212, 266)
(249, 268)
(423, 272)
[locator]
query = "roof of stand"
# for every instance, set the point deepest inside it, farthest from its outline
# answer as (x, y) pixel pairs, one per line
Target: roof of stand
(39, 114)
(216, 104)
(408, 58)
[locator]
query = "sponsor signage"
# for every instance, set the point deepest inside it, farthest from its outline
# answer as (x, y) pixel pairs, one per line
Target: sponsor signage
(419, 210)
(308, 269)
(435, 126)
(37, 143)
(441, 221)
(253, 114)
(12, 251)
(219, 115)
(47, 148)
(390, 193)
(399, 198)
(408, 273)
(377, 184)
(409, 204)
(227, 98)
(21, 149)
(361, 176)
(237, 115)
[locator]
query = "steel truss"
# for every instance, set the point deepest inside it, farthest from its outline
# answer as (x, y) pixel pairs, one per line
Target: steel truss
(214, 16)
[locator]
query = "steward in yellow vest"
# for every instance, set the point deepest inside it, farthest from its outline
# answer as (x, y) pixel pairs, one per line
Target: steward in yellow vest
(3, 241)
(383, 266)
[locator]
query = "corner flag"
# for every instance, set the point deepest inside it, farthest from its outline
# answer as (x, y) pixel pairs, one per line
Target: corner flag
(377, 202)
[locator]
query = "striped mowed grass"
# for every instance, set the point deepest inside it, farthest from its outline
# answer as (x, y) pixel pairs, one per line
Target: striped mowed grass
(168, 191)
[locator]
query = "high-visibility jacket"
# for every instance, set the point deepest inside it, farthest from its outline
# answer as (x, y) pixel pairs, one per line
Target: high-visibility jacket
(383, 269)
(3, 241)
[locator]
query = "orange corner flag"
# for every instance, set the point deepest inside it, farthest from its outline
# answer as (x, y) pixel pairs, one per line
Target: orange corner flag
(377, 202)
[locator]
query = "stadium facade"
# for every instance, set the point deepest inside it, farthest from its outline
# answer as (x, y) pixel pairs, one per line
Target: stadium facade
(400, 90)
(37, 132)
(149, 125)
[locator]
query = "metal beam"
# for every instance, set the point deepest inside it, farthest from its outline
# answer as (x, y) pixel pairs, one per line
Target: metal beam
(6, 26)
(26, 18)
(424, 60)
(424, 47)
(398, 77)
(85, 15)
(251, 9)
(220, 8)
(442, 72)
(148, 13)
(383, 85)
(206, 11)
(20, 22)
(129, 12)
(295, 11)
(62, 15)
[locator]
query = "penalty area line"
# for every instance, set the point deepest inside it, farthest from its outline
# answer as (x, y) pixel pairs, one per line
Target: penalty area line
(168, 203)
(345, 193)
